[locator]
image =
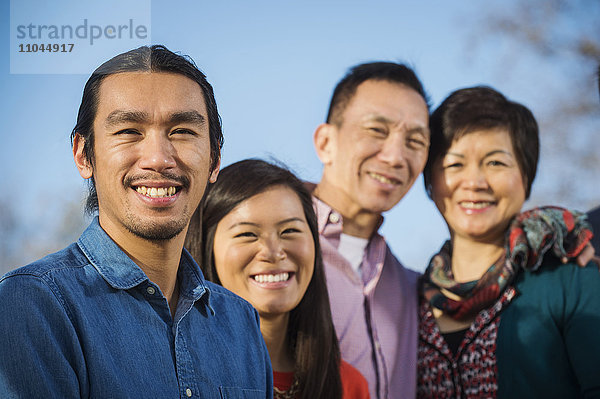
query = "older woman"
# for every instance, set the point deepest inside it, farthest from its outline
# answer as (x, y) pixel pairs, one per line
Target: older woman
(258, 237)
(498, 319)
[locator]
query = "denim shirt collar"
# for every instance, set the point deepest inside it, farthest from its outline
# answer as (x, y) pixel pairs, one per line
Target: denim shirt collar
(120, 272)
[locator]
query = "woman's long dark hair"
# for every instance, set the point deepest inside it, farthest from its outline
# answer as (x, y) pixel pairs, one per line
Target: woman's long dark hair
(310, 328)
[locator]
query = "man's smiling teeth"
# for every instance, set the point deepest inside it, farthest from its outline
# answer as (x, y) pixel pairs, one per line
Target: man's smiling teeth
(156, 192)
(474, 205)
(271, 278)
(381, 178)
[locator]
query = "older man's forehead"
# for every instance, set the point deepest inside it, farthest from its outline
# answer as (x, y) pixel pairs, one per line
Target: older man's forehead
(390, 103)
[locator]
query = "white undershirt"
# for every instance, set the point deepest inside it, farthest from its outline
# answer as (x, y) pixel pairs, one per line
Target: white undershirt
(353, 249)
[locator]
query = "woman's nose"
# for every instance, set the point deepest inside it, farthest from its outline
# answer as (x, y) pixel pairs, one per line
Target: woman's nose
(272, 250)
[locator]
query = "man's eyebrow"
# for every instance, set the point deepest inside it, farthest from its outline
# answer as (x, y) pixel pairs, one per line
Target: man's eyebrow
(193, 117)
(382, 119)
(118, 117)
(419, 129)
(377, 118)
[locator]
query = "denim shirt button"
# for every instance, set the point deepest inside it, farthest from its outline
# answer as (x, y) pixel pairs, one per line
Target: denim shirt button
(151, 290)
(188, 393)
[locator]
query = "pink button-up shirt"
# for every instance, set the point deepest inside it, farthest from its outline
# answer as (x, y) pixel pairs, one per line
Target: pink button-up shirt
(375, 316)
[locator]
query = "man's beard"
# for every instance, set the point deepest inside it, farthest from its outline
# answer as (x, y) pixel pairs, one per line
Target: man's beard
(154, 231)
(150, 229)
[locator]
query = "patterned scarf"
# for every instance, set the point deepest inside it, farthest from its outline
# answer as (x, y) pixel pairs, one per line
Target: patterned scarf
(529, 237)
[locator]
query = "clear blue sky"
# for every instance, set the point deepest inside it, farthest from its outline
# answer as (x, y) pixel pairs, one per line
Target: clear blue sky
(273, 65)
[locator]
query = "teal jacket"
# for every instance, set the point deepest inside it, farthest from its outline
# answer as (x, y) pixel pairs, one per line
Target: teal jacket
(548, 343)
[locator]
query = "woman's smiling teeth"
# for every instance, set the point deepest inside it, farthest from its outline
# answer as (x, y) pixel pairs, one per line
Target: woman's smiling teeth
(271, 278)
(475, 205)
(156, 192)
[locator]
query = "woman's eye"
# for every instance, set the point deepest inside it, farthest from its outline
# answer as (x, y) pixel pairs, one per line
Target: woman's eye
(290, 230)
(496, 163)
(453, 165)
(245, 234)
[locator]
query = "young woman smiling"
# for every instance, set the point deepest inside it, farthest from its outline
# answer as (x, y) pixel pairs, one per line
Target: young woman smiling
(498, 318)
(256, 234)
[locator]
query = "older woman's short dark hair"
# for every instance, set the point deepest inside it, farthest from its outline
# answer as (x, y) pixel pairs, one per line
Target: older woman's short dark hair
(481, 108)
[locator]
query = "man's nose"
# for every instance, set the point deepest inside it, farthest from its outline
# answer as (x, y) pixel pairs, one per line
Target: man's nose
(393, 150)
(157, 152)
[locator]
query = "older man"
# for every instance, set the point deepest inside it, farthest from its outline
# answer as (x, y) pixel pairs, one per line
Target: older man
(373, 146)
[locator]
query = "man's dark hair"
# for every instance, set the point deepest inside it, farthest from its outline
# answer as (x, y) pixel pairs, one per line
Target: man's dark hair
(481, 108)
(155, 58)
(310, 329)
(378, 71)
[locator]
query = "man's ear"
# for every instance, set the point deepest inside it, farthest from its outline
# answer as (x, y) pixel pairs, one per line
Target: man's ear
(215, 172)
(81, 161)
(325, 139)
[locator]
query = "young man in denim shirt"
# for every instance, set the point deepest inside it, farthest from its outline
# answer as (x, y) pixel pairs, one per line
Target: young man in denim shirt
(125, 310)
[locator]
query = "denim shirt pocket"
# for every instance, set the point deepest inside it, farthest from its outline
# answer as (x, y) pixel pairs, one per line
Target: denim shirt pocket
(241, 393)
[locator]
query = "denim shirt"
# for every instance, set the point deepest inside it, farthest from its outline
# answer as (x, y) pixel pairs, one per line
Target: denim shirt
(87, 322)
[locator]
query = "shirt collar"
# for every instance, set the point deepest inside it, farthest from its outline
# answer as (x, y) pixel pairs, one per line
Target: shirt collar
(327, 216)
(120, 272)
(330, 227)
(191, 278)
